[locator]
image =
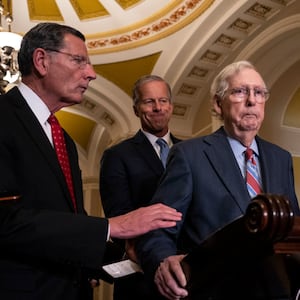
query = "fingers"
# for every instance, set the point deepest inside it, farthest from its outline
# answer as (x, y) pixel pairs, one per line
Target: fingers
(160, 212)
(170, 278)
(143, 220)
(160, 216)
(94, 282)
(157, 216)
(130, 250)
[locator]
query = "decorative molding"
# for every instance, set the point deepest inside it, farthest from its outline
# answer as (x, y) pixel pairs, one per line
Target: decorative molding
(180, 110)
(259, 11)
(226, 41)
(198, 73)
(211, 57)
(88, 105)
(158, 26)
(188, 90)
(108, 119)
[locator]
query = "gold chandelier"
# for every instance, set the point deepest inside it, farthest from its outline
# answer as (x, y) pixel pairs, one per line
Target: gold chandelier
(9, 46)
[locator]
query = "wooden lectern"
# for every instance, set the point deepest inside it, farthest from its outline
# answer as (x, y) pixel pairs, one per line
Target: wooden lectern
(269, 227)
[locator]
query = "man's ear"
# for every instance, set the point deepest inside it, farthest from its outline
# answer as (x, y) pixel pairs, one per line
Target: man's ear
(218, 104)
(135, 111)
(41, 61)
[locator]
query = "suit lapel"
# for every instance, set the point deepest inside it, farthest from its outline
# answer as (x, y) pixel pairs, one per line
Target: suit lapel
(268, 164)
(38, 137)
(220, 155)
(145, 150)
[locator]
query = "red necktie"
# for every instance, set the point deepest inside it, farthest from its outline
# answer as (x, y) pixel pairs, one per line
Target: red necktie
(62, 155)
(252, 177)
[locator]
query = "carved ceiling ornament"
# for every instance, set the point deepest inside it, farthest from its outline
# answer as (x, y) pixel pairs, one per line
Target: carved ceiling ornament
(154, 28)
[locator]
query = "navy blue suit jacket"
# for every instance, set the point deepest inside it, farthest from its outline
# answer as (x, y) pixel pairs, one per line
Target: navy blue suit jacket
(44, 246)
(204, 182)
(129, 175)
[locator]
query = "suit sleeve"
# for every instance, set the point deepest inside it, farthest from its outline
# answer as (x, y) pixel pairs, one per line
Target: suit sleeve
(53, 237)
(175, 191)
(114, 185)
(291, 194)
(278, 173)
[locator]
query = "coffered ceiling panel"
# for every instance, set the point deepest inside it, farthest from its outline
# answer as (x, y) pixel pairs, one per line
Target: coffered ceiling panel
(44, 10)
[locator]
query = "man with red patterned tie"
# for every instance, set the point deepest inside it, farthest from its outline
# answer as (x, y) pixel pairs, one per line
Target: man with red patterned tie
(135, 166)
(49, 247)
(206, 180)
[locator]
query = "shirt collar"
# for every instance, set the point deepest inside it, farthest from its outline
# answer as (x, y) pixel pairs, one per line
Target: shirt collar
(35, 103)
(152, 138)
(237, 147)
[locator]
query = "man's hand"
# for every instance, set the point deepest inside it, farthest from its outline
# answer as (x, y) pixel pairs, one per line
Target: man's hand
(130, 250)
(94, 283)
(170, 278)
(143, 220)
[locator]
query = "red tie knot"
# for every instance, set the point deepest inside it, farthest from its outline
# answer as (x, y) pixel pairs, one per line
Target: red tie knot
(52, 120)
(248, 154)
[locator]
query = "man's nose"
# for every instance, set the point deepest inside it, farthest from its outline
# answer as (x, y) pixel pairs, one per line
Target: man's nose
(251, 99)
(90, 72)
(157, 105)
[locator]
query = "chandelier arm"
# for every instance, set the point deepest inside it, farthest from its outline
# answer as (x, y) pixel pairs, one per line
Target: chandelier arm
(9, 46)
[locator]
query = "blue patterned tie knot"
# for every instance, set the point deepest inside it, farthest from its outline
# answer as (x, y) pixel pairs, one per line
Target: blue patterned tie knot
(164, 150)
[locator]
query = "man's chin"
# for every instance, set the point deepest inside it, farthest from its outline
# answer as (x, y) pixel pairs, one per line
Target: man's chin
(156, 131)
(250, 128)
(250, 125)
(73, 101)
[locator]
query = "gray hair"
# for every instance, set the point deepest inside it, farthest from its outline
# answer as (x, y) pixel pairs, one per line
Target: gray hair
(46, 36)
(136, 91)
(220, 84)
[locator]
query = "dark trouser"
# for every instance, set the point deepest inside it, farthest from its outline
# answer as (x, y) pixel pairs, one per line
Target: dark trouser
(135, 287)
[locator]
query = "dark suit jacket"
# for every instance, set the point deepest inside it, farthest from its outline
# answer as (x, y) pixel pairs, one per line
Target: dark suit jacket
(129, 175)
(204, 182)
(44, 246)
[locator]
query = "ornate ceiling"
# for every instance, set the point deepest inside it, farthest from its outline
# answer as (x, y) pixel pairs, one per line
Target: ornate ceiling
(184, 41)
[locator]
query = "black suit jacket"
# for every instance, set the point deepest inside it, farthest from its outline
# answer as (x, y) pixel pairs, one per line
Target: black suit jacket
(204, 182)
(44, 246)
(129, 175)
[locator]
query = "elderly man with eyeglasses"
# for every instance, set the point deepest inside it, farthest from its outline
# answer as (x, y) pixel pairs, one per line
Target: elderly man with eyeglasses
(205, 179)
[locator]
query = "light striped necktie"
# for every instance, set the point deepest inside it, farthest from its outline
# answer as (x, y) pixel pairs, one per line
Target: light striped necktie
(252, 177)
(164, 150)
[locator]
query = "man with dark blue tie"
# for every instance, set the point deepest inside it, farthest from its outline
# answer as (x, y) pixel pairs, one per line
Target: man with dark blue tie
(130, 171)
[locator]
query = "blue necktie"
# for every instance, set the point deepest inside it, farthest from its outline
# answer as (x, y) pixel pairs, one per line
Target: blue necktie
(164, 150)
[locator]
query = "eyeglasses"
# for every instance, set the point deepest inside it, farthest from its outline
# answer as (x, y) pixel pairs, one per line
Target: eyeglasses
(151, 101)
(79, 60)
(240, 94)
